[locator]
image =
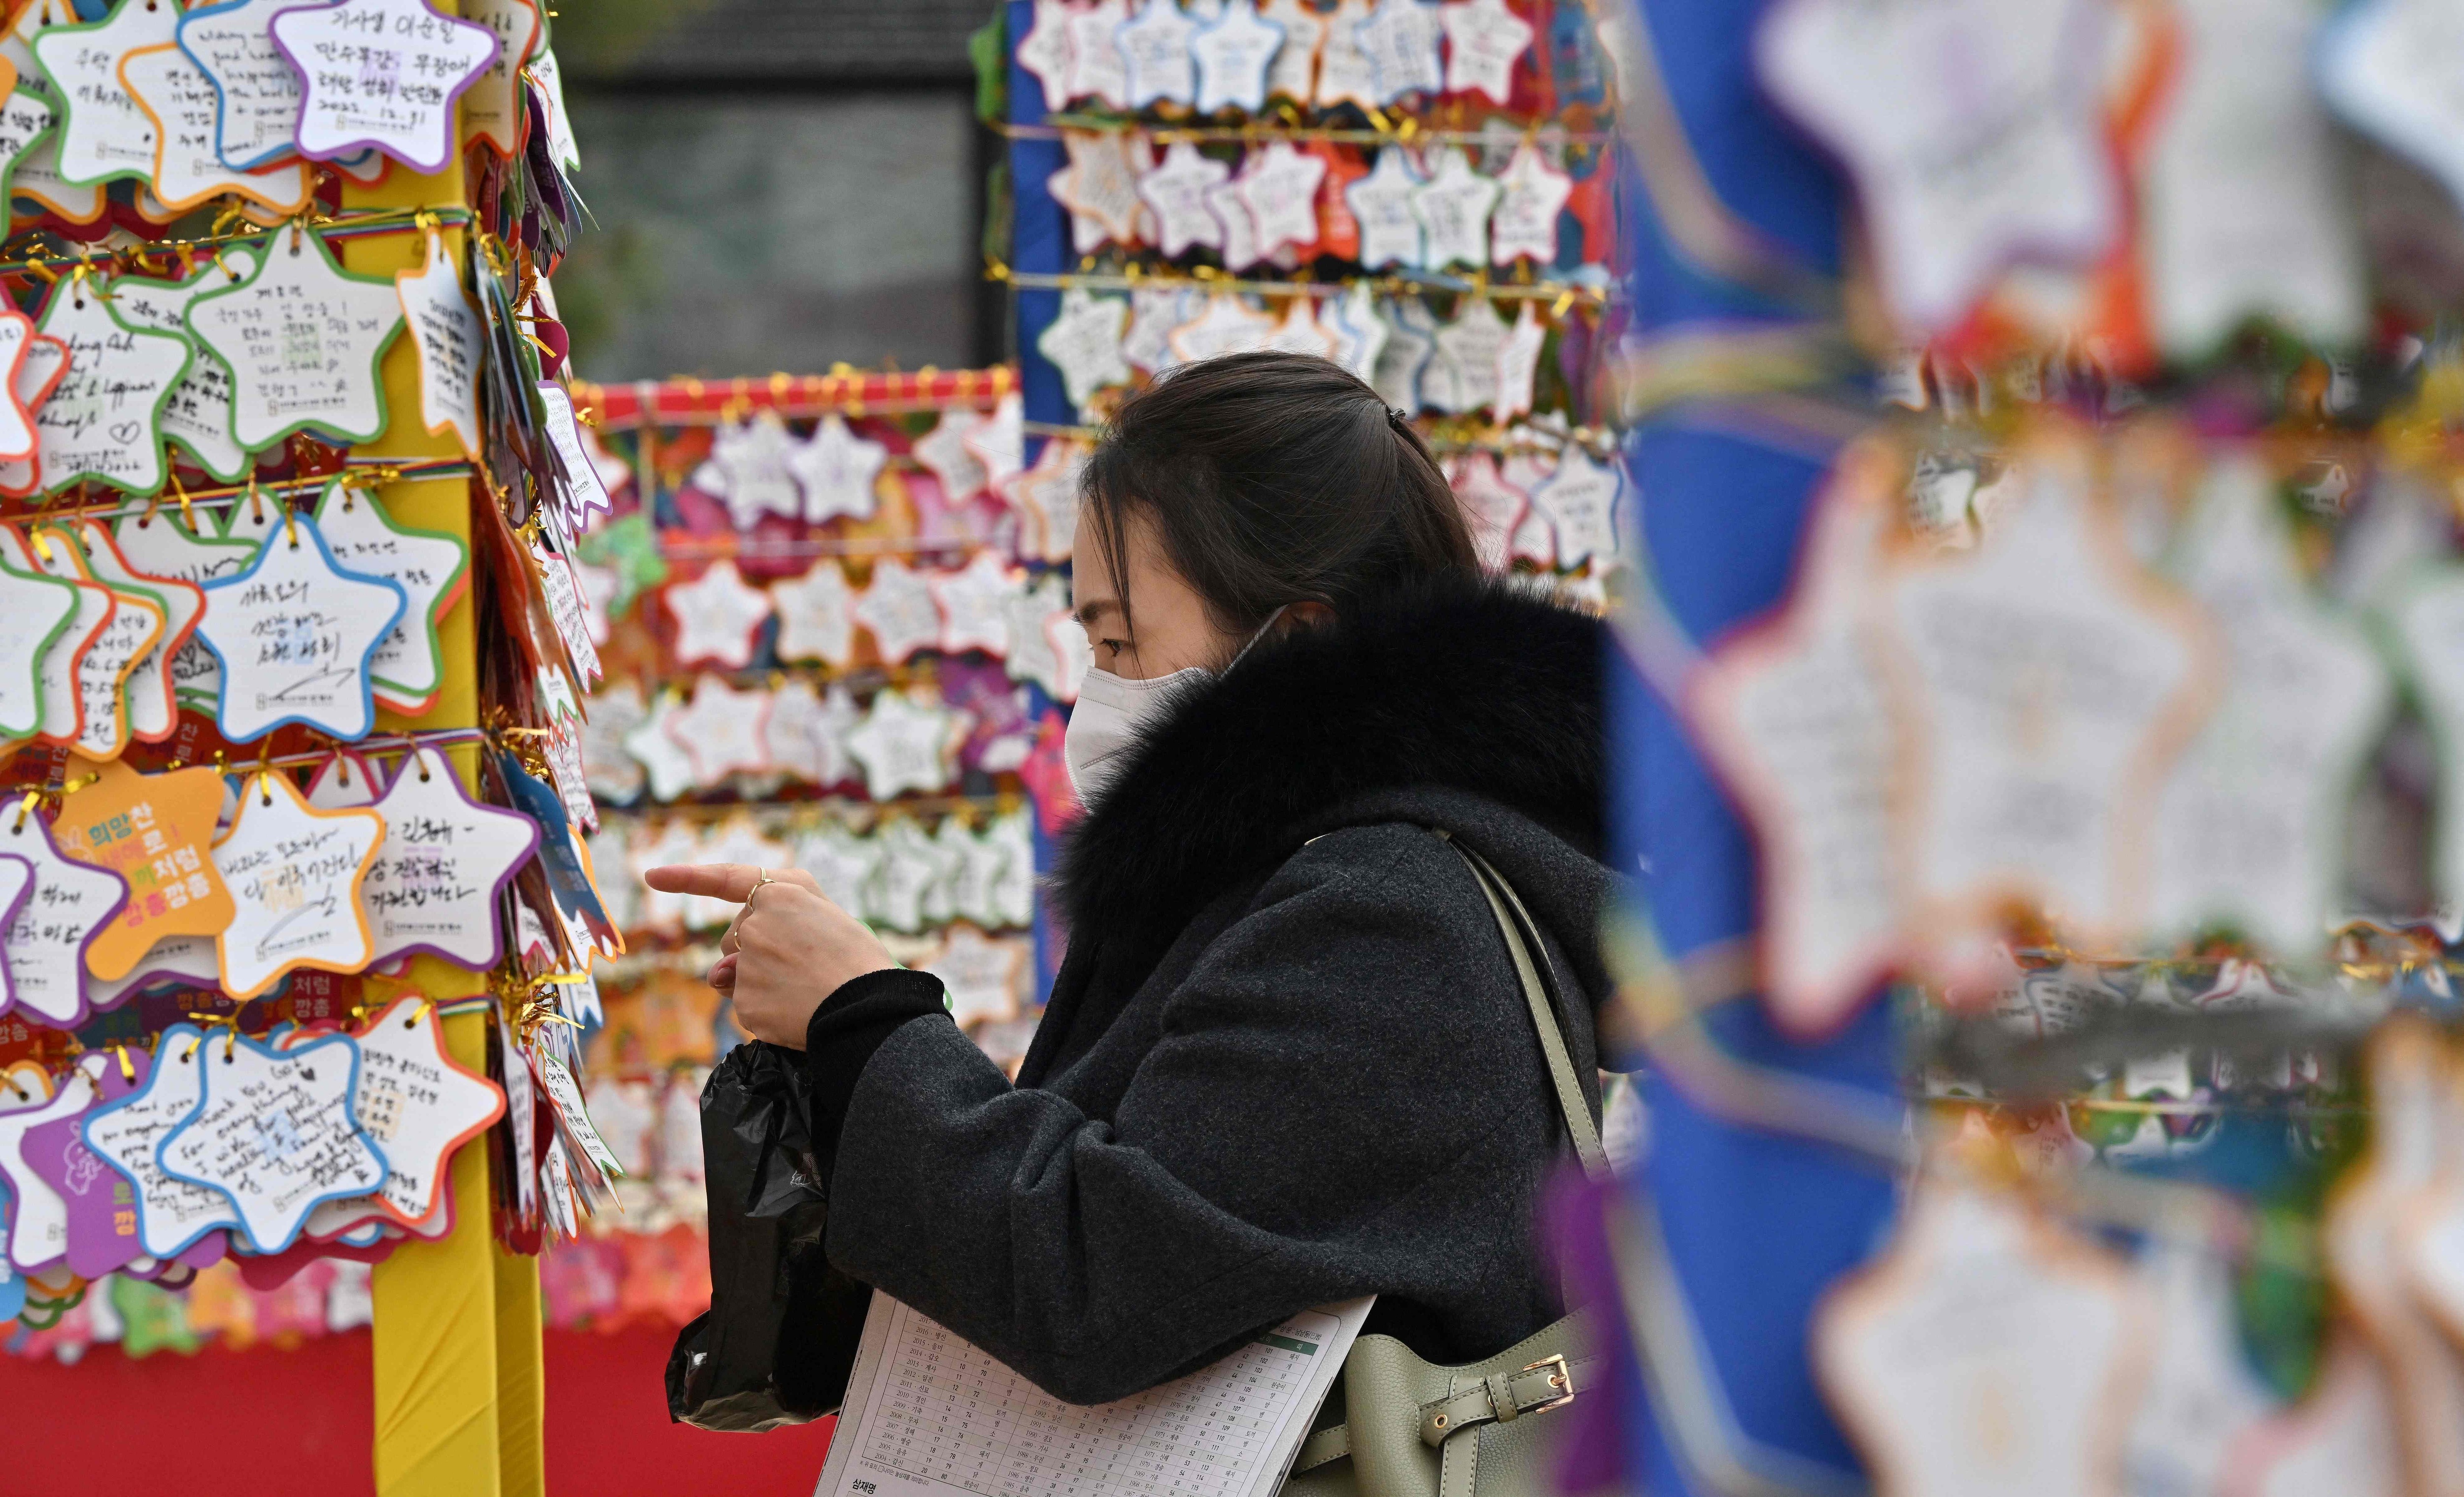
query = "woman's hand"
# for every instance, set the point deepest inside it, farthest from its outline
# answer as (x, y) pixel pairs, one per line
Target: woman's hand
(787, 949)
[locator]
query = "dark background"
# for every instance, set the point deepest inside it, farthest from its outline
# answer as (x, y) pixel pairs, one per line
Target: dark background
(776, 185)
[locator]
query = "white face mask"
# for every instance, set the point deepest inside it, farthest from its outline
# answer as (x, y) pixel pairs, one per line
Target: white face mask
(1112, 710)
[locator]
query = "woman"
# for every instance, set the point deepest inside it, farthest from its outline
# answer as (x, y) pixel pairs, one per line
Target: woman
(1285, 1061)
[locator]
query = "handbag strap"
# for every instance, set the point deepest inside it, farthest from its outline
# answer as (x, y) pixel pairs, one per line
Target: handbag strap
(1523, 943)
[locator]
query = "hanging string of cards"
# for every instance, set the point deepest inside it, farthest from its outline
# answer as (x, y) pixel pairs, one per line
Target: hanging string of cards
(229, 831)
(1420, 194)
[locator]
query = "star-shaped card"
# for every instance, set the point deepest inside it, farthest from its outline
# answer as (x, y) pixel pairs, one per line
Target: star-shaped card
(321, 374)
(294, 634)
(898, 610)
(1155, 52)
(102, 422)
(382, 73)
(716, 617)
(836, 471)
(66, 910)
(256, 92)
(103, 134)
(1485, 41)
(152, 832)
(198, 415)
(295, 875)
(908, 741)
(444, 860)
(973, 603)
(1083, 344)
(419, 1105)
(273, 1130)
(748, 468)
(190, 172)
(816, 615)
(444, 327)
(431, 567)
(1232, 57)
(171, 1214)
(721, 731)
(134, 626)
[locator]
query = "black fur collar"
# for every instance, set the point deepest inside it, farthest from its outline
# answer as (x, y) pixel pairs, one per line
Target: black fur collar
(1482, 688)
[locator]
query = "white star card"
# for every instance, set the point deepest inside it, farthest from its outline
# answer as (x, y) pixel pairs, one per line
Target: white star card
(1403, 354)
(1175, 193)
(171, 1214)
(2049, 680)
(103, 135)
(419, 1105)
(67, 904)
(1100, 188)
(1098, 69)
(1359, 332)
(445, 328)
(60, 670)
(805, 732)
(908, 741)
(669, 772)
(2036, 1404)
(294, 634)
(162, 550)
(1795, 714)
(747, 468)
(897, 608)
(295, 875)
(198, 414)
(973, 603)
(189, 172)
(430, 566)
(847, 866)
(2250, 822)
(614, 776)
(717, 616)
(38, 1229)
(17, 440)
(1491, 506)
(1452, 208)
(1400, 40)
(1531, 195)
(1976, 133)
(153, 698)
(102, 422)
(945, 453)
(303, 339)
(1043, 52)
(45, 364)
(1279, 188)
(1381, 204)
(35, 614)
(998, 443)
(274, 1131)
(2245, 202)
(1155, 54)
(836, 471)
(254, 84)
(1485, 40)
(1518, 365)
(1239, 247)
(721, 731)
(1579, 501)
(1345, 72)
(1083, 344)
(586, 488)
(1232, 56)
(816, 615)
(1292, 71)
(382, 73)
(444, 860)
(36, 172)
(1047, 496)
(1301, 333)
(133, 625)
(909, 869)
(1463, 377)
(492, 107)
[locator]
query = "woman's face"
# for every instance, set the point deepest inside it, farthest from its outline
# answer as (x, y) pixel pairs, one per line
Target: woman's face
(1173, 631)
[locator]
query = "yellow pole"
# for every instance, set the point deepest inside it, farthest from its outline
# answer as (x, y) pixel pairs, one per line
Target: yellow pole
(458, 1388)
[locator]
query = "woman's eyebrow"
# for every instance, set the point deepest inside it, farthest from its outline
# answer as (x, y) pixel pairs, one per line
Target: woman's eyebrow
(1089, 612)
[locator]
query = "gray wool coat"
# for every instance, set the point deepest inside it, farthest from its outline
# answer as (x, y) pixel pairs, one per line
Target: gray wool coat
(1285, 1061)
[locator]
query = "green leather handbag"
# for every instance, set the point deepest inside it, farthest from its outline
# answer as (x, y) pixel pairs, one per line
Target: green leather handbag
(1410, 1429)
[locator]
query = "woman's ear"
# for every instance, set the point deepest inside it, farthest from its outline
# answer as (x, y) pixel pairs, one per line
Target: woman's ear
(1314, 614)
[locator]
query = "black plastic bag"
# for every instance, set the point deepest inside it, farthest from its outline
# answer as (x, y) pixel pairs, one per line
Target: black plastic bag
(779, 1337)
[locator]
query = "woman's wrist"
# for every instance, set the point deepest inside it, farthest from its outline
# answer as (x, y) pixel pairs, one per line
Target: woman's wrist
(849, 1027)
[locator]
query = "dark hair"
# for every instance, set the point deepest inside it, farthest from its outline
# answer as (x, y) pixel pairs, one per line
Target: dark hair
(1274, 478)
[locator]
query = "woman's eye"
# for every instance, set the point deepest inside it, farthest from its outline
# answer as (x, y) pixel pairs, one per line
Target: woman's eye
(1115, 646)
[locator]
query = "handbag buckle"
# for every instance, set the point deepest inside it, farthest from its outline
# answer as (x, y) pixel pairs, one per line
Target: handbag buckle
(1561, 1378)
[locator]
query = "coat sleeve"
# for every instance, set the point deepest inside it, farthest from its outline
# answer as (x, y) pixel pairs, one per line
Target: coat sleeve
(1345, 1097)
